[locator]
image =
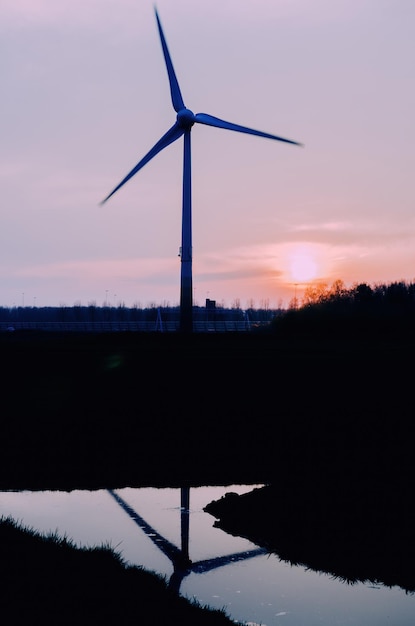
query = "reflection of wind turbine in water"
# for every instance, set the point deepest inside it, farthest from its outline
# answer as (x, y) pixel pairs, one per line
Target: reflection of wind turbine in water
(182, 565)
(184, 121)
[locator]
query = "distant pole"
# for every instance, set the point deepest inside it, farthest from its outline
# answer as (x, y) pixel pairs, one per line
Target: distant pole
(159, 322)
(23, 299)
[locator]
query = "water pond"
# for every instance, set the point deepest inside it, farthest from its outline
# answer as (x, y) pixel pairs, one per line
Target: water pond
(167, 531)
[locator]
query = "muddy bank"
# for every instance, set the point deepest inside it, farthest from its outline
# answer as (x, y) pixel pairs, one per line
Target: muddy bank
(352, 531)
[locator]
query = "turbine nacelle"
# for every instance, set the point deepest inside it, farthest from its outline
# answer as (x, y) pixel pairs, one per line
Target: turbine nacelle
(185, 119)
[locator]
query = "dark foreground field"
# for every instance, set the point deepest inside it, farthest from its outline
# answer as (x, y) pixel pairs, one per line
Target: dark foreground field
(327, 424)
(111, 410)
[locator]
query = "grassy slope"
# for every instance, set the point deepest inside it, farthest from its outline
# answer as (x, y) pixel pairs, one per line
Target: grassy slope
(46, 580)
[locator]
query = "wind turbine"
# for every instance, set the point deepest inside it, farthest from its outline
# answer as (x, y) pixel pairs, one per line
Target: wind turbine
(185, 119)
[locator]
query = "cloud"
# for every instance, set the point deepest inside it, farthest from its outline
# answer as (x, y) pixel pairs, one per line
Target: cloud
(234, 275)
(118, 269)
(363, 231)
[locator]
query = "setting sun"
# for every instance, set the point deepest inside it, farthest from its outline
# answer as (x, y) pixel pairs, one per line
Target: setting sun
(303, 266)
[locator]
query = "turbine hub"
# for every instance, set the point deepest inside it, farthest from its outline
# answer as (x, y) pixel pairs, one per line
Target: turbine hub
(185, 118)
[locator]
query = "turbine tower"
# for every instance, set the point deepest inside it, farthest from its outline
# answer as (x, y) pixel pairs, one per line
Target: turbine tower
(185, 119)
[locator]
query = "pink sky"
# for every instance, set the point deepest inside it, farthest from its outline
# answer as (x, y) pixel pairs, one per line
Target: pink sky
(86, 95)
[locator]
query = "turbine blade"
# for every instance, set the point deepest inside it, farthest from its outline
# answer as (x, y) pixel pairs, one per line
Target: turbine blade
(210, 120)
(172, 134)
(176, 95)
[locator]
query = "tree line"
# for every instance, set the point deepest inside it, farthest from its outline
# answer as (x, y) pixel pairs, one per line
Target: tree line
(96, 314)
(363, 309)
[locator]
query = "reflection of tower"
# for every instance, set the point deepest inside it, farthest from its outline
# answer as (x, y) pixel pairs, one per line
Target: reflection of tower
(182, 565)
(185, 521)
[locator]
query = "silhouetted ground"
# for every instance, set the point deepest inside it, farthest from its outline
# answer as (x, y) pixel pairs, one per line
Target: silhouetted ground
(92, 411)
(355, 532)
(47, 581)
(326, 422)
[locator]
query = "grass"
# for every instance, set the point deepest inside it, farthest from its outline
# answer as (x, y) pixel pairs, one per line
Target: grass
(48, 580)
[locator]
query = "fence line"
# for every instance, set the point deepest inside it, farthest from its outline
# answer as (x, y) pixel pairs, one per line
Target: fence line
(114, 326)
